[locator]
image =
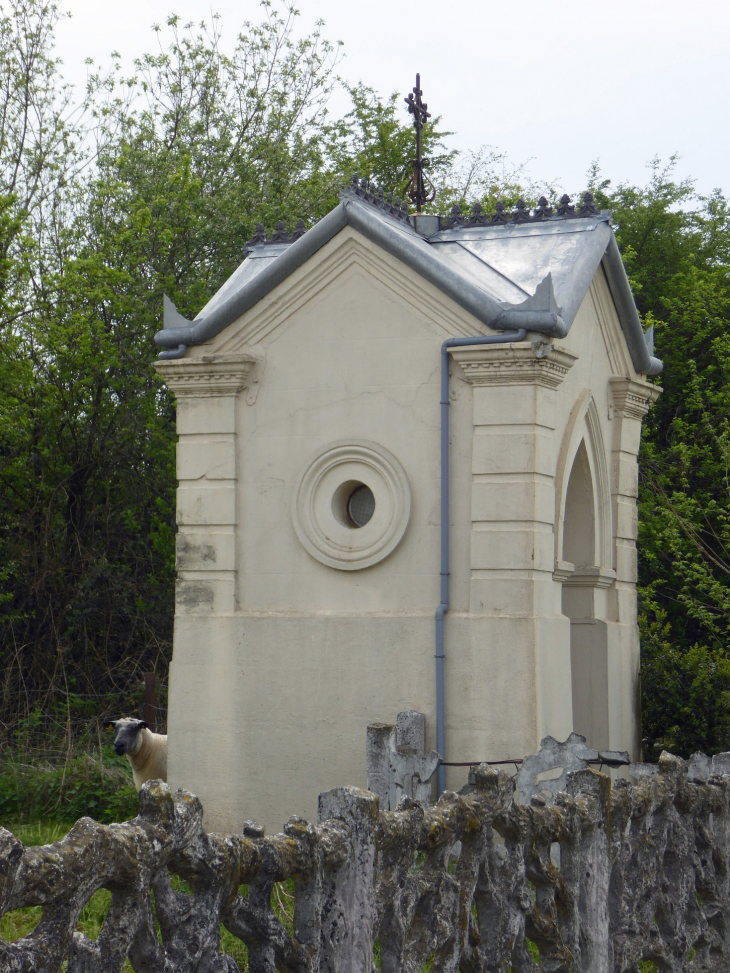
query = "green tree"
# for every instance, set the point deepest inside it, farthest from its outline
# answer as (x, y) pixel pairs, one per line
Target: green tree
(675, 245)
(151, 184)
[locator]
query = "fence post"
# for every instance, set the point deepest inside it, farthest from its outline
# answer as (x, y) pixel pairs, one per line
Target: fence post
(378, 760)
(150, 701)
(396, 761)
(348, 901)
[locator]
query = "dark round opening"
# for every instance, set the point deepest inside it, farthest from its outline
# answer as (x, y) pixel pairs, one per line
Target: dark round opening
(360, 505)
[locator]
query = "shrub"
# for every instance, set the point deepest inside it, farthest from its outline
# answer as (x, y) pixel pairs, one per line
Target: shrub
(685, 693)
(97, 784)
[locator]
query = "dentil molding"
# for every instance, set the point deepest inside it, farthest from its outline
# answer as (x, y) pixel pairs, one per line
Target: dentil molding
(212, 375)
(631, 398)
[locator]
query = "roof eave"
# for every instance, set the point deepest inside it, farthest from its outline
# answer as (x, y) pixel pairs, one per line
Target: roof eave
(203, 329)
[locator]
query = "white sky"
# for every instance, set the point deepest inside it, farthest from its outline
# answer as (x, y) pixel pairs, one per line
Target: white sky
(558, 82)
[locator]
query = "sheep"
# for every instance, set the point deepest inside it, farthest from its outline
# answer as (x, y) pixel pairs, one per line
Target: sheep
(146, 751)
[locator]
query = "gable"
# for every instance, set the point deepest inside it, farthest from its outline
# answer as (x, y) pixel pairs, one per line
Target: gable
(597, 339)
(614, 339)
(348, 263)
(482, 265)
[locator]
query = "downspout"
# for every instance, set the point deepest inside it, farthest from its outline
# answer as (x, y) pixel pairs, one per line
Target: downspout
(495, 339)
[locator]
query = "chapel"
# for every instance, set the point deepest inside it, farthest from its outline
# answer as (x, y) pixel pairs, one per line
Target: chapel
(407, 467)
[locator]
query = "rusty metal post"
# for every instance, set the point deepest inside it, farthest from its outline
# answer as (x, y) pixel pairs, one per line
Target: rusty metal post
(150, 700)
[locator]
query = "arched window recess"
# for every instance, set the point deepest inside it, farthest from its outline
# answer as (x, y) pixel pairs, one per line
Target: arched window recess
(583, 521)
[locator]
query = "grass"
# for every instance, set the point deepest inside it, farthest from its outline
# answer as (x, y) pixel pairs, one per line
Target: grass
(94, 783)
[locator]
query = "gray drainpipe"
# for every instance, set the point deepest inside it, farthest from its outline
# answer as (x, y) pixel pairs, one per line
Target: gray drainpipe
(492, 339)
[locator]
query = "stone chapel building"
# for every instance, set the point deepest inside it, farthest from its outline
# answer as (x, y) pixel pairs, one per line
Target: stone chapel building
(312, 459)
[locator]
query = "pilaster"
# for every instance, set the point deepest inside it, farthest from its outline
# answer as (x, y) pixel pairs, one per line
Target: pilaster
(512, 509)
(513, 513)
(631, 401)
(206, 390)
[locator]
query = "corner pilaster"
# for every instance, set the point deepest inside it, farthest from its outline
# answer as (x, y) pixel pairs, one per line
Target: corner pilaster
(631, 401)
(206, 390)
(513, 513)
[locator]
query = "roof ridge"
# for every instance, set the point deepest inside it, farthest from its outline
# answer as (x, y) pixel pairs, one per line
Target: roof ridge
(394, 206)
(500, 216)
(522, 213)
(280, 234)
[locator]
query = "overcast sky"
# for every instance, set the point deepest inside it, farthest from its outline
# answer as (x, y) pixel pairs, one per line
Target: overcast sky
(557, 82)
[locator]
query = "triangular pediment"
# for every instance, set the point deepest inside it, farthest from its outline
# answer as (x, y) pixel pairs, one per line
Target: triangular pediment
(334, 268)
(614, 339)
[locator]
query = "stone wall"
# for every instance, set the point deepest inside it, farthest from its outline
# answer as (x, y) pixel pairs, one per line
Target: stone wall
(596, 877)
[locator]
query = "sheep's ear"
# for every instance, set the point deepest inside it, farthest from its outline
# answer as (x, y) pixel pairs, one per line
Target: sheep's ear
(142, 724)
(110, 725)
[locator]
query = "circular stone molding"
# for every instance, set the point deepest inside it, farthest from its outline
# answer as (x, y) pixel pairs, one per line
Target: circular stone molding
(322, 494)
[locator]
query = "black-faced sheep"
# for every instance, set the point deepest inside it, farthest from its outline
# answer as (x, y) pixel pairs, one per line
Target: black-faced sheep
(146, 751)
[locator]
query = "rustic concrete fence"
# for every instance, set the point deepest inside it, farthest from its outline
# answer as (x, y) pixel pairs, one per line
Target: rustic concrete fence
(597, 877)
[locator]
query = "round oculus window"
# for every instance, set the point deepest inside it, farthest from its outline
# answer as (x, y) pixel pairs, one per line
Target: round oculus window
(352, 505)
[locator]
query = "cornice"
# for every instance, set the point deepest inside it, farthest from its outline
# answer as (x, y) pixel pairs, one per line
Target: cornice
(513, 365)
(210, 375)
(631, 398)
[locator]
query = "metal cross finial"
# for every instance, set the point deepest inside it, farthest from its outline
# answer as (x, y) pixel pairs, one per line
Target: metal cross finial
(421, 190)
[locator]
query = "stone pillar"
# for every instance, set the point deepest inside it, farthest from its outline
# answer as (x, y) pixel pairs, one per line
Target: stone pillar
(588, 601)
(206, 390)
(513, 513)
(631, 402)
(398, 765)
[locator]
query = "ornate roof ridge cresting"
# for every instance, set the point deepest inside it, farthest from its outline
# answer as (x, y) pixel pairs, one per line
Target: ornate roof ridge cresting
(280, 234)
(376, 195)
(394, 206)
(362, 188)
(522, 213)
(566, 209)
